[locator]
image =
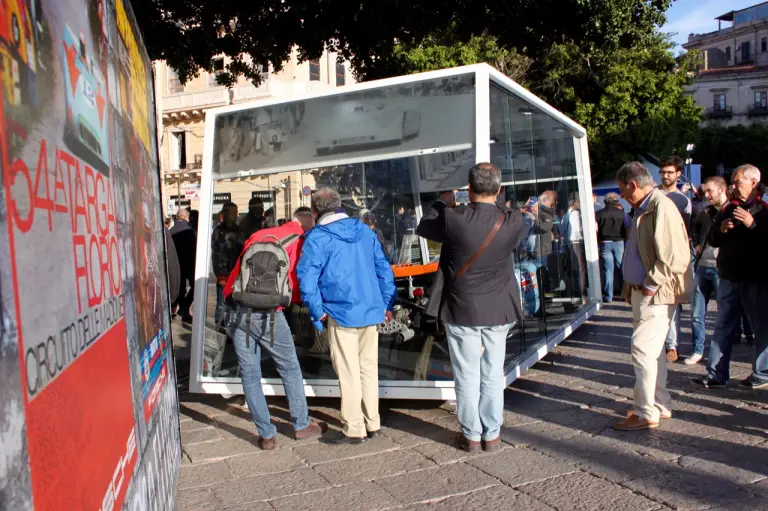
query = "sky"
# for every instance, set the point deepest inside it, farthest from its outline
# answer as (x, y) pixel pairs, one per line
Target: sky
(698, 16)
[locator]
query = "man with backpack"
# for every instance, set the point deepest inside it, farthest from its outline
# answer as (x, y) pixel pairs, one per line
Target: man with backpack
(348, 287)
(262, 283)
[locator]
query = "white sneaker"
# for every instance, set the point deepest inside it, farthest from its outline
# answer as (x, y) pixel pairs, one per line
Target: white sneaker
(693, 359)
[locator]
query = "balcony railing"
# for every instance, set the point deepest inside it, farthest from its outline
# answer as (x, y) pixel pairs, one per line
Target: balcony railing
(215, 96)
(757, 111)
(719, 112)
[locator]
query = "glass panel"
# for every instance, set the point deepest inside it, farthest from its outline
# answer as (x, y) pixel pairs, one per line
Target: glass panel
(395, 121)
(381, 194)
(537, 157)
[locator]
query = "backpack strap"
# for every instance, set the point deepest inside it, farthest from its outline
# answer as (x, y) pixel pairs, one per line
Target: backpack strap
(284, 241)
(486, 242)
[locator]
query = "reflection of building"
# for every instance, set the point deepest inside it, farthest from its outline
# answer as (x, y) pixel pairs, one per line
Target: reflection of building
(181, 113)
(732, 83)
(466, 115)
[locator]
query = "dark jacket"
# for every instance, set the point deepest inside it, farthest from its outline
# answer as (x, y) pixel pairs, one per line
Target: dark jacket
(610, 224)
(172, 261)
(487, 294)
(742, 251)
(543, 227)
(701, 225)
(225, 249)
(185, 241)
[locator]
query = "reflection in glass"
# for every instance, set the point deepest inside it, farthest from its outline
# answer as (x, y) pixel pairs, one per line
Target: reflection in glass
(394, 120)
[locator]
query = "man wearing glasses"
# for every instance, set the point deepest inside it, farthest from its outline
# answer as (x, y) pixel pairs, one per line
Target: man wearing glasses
(670, 170)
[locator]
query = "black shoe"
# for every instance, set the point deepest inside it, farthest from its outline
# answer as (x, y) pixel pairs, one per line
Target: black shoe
(342, 439)
(753, 382)
(749, 340)
(374, 434)
(186, 318)
(709, 383)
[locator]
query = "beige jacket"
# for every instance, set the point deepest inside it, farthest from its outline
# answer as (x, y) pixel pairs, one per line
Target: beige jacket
(665, 251)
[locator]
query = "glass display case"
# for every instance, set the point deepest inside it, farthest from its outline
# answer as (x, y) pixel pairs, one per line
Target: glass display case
(390, 147)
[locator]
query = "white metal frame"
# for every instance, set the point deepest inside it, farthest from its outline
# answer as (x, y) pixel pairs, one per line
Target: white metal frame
(442, 390)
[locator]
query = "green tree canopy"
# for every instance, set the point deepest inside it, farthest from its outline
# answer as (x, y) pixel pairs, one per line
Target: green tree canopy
(731, 147)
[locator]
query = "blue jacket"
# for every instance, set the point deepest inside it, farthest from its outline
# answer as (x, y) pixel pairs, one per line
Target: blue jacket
(344, 273)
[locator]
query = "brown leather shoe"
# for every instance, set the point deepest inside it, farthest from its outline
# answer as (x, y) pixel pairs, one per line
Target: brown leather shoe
(268, 444)
(492, 445)
(662, 415)
(635, 423)
(314, 429)
(465, 444)
(672, 355)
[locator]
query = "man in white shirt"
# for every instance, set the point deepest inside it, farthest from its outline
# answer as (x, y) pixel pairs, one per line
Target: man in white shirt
(670, 170)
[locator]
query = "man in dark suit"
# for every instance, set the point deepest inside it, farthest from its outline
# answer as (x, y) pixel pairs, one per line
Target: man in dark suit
(185, 240)
(480, 299)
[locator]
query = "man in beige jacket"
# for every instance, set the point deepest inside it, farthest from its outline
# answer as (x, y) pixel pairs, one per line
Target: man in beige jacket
(656, 280)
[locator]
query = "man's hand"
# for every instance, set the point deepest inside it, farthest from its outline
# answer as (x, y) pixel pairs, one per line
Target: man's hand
(324, 318)
(449, 198)
(698, 250)
(744, 216)
(221, 282)
(726, 226)
(388, 316)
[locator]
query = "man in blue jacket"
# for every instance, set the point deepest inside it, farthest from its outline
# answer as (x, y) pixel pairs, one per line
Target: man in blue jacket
(348, 286)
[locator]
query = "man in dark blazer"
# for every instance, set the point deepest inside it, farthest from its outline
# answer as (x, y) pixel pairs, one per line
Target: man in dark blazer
(185, 240)
(479, 301)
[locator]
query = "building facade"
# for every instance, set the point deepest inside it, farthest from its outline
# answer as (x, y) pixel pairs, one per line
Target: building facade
(181, 119)
(732, 82)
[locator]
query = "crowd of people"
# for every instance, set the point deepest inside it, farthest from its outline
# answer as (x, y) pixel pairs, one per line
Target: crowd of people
(669, 250)
(675, 251)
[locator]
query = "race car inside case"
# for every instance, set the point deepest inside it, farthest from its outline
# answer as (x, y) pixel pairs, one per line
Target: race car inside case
(86, 128)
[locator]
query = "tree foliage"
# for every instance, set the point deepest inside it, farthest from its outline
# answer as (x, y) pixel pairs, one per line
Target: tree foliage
(603, 62)
(731, 147)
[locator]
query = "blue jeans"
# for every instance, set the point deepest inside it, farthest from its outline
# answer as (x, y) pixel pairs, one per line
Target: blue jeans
(734, 299)
(707, 282)
(611, 256)
(479, 377)
(283, 352)
(674, 325)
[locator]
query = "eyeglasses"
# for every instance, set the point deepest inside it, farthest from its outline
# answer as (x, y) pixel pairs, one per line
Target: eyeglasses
(668, 172)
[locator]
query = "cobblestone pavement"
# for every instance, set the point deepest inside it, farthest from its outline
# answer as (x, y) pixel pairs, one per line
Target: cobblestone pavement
(560, 451)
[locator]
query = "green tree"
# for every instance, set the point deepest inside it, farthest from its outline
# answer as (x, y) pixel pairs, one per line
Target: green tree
(731, 147)
(188, 33)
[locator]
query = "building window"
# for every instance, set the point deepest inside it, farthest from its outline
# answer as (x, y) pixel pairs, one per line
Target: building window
(217, 67)
(764, 44)
(761, 99)
(719, 102)
(728, 53)
(745, 54)
(314, 70)
(341, 74)
(174, 84)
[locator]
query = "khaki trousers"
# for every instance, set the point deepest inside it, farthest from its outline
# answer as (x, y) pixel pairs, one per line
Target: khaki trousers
(355, 357)
(651, 324)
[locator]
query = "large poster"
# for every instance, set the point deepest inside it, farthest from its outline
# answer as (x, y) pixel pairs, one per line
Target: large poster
(89, 409)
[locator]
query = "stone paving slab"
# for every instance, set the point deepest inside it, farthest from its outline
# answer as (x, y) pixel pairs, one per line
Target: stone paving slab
(269, 487)
(560, 451)
(436, 483)
(495, 498)
(516, 467)
(375, 466)
(580, 491)
(362, 496)
(262, 463)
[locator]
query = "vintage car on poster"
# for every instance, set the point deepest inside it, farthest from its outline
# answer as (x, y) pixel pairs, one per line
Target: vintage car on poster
(364, 125)
(86, 129)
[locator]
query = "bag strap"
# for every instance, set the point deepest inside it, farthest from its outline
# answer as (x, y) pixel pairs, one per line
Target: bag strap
(486, 242)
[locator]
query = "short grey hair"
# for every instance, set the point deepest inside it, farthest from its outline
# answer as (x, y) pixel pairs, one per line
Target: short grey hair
(485, 179)
(182, 214)
(635, 171)
(325, 200)
(749, 171)
(611, 198)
